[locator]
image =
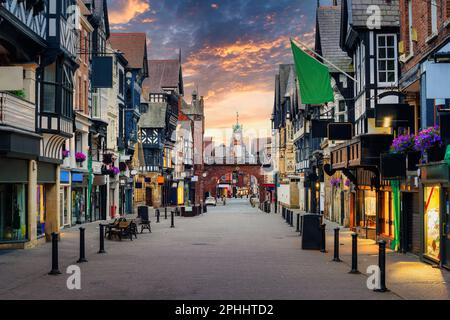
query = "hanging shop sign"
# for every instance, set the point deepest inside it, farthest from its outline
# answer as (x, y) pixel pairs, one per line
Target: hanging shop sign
(161, 180)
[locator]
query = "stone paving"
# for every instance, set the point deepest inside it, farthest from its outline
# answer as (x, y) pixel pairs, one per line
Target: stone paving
(231, 252)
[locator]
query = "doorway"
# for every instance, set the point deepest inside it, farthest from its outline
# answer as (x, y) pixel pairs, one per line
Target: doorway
(149, 197)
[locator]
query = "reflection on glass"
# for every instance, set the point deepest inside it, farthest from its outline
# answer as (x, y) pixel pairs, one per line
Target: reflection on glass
(432, 222)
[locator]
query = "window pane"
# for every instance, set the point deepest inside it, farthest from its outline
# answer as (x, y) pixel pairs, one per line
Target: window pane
(382, 53)
(382, 76)
(49, 98)
(381, 41)
(391, 52)
(390, 41)
(50, 73)
(391, 76)
(381, 65)
(391, 65)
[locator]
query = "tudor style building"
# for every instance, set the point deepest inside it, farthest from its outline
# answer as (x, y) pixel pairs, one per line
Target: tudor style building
(334, 200)
(164, 91)
(23, 35)
(375, 59)
(134, 49)
(40, 39)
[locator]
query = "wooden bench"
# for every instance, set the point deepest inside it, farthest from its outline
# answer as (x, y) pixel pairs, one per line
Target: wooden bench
(124, 229)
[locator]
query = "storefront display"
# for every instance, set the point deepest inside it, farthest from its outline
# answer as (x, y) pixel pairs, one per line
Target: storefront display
(78, 206)
(432, 222)
(40, 210)
(370, 209)
(13, 225)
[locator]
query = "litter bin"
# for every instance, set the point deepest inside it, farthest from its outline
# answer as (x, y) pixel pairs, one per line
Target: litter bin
(311, 233)
(142, 211)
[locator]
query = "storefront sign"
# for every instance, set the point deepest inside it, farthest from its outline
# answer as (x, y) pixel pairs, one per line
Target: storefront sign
(64, 176)
(160, 180)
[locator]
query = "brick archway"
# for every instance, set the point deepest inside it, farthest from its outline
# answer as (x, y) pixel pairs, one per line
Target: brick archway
(214, 172)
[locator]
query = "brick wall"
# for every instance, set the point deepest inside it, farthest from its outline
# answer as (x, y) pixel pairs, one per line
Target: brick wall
(421, 22)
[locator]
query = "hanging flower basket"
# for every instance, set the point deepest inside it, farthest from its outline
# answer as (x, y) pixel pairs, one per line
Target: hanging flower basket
(429, 142)
(114, 171)
(65, 154)
(403, 144)
(335, 182)
(348, 183)
(80, 157)
(123, 167)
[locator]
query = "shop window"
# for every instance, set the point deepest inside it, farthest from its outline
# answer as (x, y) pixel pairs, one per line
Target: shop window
(40, 210)
(370, 209)
(432, 222)
(13, 217)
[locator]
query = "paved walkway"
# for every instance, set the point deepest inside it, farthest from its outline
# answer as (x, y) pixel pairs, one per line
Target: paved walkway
(231, 252)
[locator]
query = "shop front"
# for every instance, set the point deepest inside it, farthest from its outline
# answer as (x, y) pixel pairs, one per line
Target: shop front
(64, 198)
(99, 199)
(78, 199)
(435, 211)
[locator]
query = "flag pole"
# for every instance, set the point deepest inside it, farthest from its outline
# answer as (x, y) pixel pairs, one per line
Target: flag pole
(327, 61)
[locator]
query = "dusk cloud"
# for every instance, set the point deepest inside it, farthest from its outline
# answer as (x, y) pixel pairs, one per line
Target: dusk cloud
(230, 48)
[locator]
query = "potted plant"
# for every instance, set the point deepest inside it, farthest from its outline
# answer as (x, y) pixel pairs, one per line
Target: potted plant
(429, 142)
(405, 144)
(80, 157)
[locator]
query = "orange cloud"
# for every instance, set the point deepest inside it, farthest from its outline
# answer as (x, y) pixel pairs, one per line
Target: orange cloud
(128, 11)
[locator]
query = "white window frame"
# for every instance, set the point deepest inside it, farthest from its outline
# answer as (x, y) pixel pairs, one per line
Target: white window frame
(434, 17)
(395, 59)
(410, 27)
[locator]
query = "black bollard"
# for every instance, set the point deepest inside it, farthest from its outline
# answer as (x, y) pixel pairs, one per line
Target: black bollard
(158, 215)
(165, 213)
(172, 218)
(282, 213)
(102, 239)
(382, 266)
(354, 254)
(323, 243)
(298, 223)
(336, 246)
(292, 219)
(82, 246)
(55, 265)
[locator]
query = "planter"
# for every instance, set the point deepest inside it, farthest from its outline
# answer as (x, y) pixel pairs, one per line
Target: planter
(436, 154)
(413, 160)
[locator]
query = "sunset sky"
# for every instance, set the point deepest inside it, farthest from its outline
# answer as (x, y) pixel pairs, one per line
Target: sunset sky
(230, 48)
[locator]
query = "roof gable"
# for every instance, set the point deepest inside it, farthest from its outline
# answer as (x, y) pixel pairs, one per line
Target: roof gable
(134, 48)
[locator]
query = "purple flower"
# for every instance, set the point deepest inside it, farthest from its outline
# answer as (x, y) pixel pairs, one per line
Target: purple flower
(403, 144)
(347, 183)
(427, 139)
(80, 157)
(335, 182)
(115, 170)
(65, 153)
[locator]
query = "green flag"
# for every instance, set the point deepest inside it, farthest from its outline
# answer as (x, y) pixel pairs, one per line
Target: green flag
(313, 76)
